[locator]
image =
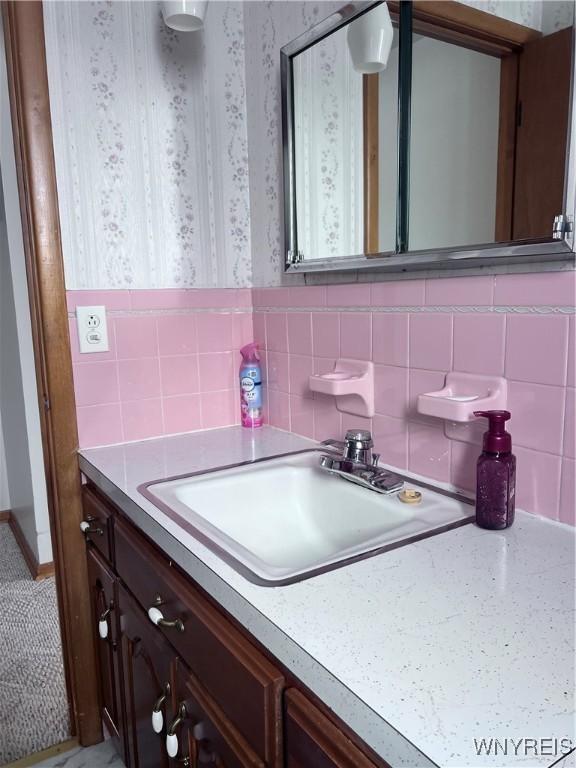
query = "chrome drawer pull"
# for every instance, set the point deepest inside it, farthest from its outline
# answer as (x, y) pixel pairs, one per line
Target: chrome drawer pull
(156, 617)
(87, 529)
(171, 738)
(157, 716)
(103, 623)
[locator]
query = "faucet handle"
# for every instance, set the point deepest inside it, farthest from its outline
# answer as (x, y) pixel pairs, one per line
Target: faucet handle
(363, 436)
(375, 459)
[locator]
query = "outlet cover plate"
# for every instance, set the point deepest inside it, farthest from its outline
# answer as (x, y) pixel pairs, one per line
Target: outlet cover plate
(92, 329)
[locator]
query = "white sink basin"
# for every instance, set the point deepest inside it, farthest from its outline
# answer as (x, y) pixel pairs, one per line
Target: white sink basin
(284, 519)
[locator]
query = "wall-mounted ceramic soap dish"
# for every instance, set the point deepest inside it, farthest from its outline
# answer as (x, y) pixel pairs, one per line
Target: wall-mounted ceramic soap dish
(463, 394)
(351, 383)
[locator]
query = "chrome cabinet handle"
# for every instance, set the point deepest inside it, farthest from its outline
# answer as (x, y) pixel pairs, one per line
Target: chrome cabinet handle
(157, 617)
(86, 529)
(103, 623)
(157, 716)
(171, 738)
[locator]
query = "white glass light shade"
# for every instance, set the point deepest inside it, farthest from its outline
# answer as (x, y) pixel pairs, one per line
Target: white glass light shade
(184, 15)
(370, 40)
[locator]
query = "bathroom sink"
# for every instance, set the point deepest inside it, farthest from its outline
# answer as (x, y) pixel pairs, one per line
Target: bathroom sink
(283, 519)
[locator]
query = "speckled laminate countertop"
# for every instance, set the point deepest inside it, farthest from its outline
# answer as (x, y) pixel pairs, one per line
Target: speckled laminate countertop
(465, 636)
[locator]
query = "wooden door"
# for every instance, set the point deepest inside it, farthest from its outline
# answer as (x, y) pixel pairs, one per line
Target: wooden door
(542, 132)
(146, 662)
(314, 741)
(104, 598)
(206, 738)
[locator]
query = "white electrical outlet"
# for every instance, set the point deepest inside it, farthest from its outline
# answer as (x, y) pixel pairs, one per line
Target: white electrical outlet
(92, 329)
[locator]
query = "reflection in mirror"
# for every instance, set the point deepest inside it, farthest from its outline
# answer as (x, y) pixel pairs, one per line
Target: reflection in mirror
(345, 140)
(488, 134)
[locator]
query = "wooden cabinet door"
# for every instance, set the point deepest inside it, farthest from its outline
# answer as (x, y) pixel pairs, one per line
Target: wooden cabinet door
(206, 738)
(146, 660)
(103, 587)
(312, 740)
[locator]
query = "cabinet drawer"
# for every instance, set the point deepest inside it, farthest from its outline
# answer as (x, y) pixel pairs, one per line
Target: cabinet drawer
(315, 741)
(97, 515)
(243, 683)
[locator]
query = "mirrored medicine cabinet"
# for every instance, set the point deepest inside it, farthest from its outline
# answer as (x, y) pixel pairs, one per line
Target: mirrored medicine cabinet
(429, 134)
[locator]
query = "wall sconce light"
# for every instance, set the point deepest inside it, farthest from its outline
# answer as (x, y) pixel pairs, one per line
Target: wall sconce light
(370, 40)
(184, 15)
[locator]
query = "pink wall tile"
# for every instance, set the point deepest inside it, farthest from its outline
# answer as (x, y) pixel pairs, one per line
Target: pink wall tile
(323, 364)
(181, 414)
(429, 451)
(460, 291)
(278, 371)
(431, 341)
(537, 416)
(356, 335)
(93, 357)
(217, 371)
(260, 329)
(536, 348)
(570, 424)
(301, 369)
(571, 378)
(242, 331)
(279, 409)
(135, 337)
(539, 289)
(391, 390)
(300, 333)
(307, 296)
(99, 425)
(177, 334)
(351, 295)
(567, 509)
(397, 293)
(302, 416)
(277, 332)
(463, 460)
(168, 298)
(179, 375)
(96, 383)
(214, 331)
(479, 343)
(420, 382)
(537, 482)
(391, 440)
(139, 379)
(112, 300)
(220, 409)
(326, 334)
(142, 419)
(390, 338)
(327, 421)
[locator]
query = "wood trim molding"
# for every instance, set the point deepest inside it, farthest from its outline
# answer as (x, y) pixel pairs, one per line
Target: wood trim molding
(38, 571)
(5, 515)
(461, 24)
(371, 160)
(32, 128)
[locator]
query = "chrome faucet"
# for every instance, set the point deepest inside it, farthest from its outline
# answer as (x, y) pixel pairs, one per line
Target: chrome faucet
(357, 464)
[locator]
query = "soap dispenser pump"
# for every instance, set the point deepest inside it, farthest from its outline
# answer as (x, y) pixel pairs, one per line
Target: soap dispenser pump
(496, 474)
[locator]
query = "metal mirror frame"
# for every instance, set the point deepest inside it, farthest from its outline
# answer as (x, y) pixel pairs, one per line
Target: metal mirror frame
(556, 249)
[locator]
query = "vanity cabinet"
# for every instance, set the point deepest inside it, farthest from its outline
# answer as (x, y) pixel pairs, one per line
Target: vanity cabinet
(172, 664)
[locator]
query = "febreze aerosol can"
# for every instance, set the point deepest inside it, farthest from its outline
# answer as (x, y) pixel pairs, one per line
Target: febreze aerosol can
(251, 387)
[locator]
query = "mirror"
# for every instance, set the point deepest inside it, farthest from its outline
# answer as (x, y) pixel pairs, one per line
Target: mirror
(428, 134)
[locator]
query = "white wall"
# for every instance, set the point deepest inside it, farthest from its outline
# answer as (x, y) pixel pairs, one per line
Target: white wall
(18, 395)
(453, 145)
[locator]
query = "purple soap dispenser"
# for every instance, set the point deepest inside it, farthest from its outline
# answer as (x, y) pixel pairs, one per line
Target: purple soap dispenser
(496, 474)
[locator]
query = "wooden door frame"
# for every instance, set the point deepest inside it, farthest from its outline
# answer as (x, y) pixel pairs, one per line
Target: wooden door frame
(23, 24)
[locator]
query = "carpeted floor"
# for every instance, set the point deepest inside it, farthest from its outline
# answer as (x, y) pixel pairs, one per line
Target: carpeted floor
(33, 705)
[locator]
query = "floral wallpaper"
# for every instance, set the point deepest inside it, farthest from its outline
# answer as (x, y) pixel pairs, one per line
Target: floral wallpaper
(151, 147)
